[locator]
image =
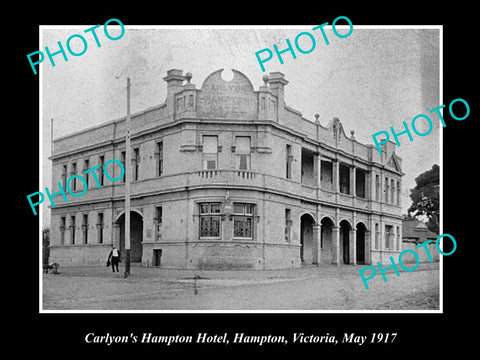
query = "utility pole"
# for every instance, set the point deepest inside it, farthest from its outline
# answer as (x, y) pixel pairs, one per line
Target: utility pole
(51, 137)
(128, 173)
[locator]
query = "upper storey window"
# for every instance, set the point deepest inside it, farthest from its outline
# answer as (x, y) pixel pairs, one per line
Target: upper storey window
(288, 161)
(344, 172)
(360, 183)
(242, 151)
(210, 152)
(159, 157)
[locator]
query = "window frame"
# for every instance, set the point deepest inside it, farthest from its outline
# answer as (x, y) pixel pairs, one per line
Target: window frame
(288, 161)
(136, 167)
(73, 172)
(86, 166)
(288, 225)
(376, 243)
(159, 157)
(63, 226)
(72, 229)
(389, 237)
(158, 221)
(123, 160)
(101, 160)
(209, 156)
(239, 155)
(100, 225)
(245, 214)
(84, 229)
(210, 215)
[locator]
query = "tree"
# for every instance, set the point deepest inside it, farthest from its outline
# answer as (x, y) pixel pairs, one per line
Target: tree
(426, 198)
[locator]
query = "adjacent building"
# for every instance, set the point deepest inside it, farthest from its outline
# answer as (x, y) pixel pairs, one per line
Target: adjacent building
(414, 233)
(227, 177)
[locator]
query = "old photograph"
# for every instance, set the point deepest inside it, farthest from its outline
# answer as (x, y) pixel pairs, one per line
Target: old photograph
(241, 168)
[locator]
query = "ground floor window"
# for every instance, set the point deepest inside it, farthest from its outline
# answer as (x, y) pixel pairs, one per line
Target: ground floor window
(288, 224)
(243, 220)
(158, 220)
(62, 230)
(210, 220)
(389, 237)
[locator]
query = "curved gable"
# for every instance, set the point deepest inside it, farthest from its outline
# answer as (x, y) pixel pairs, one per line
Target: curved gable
(234, 99)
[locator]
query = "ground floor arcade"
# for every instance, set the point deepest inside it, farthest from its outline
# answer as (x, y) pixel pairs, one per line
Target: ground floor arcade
(224, 229)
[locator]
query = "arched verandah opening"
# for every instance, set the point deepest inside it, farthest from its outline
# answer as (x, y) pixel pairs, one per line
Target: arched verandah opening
(306, 239)
(326, 243)
(345, 228)
(361, 249)
(136, 236)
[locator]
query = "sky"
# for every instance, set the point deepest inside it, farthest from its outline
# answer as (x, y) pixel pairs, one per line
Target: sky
(375, 78)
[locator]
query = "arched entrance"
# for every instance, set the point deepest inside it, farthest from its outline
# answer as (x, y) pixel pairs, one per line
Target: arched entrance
(306, 239)
(361, 229)
(326, 241)
(345, 228)
(136, 236)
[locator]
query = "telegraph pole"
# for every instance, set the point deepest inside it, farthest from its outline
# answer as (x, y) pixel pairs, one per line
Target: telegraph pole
(51, 137)
(128, 173)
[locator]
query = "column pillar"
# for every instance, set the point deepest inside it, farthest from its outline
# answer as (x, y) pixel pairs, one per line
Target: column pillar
(368, 247)
(368, 186)
(352, 181)
(316, 168)
(353, 246)
(399, 192)
(116, 234)
(335, 176)
(381, 239)
(335, 245)
(316, 248)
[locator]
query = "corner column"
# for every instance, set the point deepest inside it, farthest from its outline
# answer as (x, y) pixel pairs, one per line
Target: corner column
(317, 233)
(353, 246)
(352, 181)
(335, 245)
(317, 168)
(116, 234)
(335, 176)
(368, 247)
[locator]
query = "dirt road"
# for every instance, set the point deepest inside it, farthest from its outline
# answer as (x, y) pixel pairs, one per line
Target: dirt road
(312, 288)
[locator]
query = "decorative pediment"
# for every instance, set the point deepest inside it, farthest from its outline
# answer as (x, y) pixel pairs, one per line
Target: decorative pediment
(394, 163)
(234, 99)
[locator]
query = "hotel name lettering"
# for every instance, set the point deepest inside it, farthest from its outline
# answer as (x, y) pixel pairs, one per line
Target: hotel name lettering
(227, 100)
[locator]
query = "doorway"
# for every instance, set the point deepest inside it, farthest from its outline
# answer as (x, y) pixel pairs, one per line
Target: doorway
(345, 228)
(361, 229)
(306, 239)
(136, 236)
(157, 257)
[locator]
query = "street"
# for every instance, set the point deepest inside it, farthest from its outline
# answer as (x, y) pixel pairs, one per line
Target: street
(309, 288)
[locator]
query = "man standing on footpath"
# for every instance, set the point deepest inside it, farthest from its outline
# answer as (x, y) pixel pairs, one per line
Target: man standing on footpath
(114, 258)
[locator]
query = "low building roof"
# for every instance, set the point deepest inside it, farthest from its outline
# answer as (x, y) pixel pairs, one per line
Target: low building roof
(416, 229)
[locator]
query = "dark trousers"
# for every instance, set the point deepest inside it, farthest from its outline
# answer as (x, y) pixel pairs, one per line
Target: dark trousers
(114, 263)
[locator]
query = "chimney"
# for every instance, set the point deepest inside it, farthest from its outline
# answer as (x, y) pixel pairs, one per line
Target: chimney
(277, 82)
(174, 80)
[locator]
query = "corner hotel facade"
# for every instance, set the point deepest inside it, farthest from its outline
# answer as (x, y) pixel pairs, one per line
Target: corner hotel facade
(227, 177)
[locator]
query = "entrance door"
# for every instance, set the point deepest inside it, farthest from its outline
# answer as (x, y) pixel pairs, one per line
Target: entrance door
(306, 239)
(345, 241)
(361, 243)
(327, 241)
(157, 257)
(136, 236)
